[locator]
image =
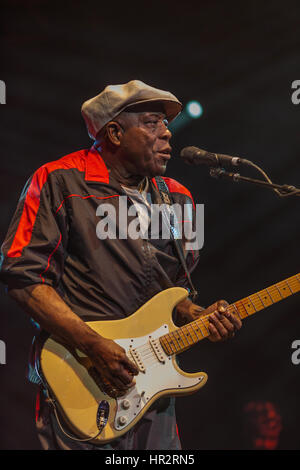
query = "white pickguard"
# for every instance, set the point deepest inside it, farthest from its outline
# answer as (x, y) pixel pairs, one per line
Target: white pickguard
(157, 377)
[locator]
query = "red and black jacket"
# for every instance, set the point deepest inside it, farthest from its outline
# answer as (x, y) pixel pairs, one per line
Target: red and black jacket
(52, 239)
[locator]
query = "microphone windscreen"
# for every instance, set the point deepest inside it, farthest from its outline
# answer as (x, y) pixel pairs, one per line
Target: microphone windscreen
(189, 153)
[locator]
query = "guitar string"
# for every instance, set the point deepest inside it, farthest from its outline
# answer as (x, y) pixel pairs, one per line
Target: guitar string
(260, 304)
(292, 282)
(257, 304)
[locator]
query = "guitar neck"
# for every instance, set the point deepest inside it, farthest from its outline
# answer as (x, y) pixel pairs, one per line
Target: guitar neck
(183, 338)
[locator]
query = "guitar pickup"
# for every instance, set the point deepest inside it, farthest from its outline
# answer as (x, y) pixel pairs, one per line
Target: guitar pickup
(155, 344)
(135, 355)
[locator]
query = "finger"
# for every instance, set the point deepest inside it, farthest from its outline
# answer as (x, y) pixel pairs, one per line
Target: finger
(221, 324)
(214, 334)
(235, 320)
(222, 306)
(121, 375)
(130, 366)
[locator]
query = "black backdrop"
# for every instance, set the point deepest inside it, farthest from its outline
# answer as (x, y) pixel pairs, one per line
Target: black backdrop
(238, 60)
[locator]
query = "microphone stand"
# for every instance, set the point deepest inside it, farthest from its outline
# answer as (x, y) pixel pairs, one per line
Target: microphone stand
(282, 190)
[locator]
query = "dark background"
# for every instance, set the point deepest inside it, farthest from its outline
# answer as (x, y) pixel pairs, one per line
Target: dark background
(238, 60)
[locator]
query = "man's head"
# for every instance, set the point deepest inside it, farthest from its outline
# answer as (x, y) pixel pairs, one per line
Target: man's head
(140, 139)
(137, 135)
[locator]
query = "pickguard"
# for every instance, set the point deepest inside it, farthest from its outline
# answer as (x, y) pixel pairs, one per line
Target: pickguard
(157, 373)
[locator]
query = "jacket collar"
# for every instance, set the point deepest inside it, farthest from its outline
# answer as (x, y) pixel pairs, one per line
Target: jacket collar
(95, 168)
(97, 171)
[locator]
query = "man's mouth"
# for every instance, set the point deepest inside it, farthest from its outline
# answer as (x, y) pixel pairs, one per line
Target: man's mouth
(165, 153)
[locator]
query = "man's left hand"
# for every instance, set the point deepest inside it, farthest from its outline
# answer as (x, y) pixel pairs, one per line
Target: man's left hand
(222, 324)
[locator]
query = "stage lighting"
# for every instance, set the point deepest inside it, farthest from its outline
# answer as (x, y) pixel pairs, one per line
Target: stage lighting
(194, 109)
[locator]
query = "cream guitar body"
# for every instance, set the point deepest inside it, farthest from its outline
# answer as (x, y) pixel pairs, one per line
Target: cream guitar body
(71, 377)
(152, 341)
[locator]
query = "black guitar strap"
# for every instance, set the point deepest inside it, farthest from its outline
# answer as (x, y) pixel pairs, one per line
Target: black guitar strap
(165, 197)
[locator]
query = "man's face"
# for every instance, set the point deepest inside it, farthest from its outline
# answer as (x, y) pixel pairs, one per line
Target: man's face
(145, 143)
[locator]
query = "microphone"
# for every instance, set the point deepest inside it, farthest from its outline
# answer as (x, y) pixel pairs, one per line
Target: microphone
(196, 156)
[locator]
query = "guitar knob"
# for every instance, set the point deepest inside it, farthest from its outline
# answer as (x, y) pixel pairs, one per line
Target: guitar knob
(122, 420)
(125, 404)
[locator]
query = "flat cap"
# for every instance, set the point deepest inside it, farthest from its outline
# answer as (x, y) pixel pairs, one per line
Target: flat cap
(114, 99)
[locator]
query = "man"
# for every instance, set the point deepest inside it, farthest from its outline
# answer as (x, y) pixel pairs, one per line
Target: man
(60, 271)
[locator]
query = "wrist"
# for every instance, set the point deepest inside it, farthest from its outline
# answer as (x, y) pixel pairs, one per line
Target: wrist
(90, 341)
(187, 311)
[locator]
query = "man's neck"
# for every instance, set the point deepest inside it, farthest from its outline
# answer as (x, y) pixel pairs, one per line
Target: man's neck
(120, 173)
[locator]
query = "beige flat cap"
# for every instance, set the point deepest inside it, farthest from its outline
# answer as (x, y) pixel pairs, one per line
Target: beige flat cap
(114, 99)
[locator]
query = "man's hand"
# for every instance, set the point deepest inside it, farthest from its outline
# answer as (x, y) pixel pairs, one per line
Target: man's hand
(222, 324)
(48, 309)
(116, 371)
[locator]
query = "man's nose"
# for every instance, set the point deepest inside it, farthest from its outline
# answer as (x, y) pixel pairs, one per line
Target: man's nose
(165, 132)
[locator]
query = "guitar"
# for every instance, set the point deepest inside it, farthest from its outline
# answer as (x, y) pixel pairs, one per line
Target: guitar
(151, 341)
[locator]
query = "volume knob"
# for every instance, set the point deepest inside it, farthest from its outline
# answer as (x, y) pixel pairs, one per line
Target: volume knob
(122, 420)
(125, 404)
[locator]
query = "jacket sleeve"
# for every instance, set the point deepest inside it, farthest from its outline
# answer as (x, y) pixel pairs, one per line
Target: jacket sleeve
(34, 249)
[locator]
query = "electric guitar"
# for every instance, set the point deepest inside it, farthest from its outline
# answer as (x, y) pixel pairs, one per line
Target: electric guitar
(151, 341)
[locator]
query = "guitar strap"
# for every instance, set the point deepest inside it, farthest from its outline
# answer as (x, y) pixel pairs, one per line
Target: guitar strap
(165, 197)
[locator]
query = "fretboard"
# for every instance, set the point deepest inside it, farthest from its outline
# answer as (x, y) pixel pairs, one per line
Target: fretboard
(183, 338)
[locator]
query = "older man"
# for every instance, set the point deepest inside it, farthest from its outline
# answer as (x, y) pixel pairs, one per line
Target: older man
(63, 274)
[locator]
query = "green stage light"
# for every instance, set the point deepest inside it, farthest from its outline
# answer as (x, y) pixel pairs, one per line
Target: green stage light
(194, 109)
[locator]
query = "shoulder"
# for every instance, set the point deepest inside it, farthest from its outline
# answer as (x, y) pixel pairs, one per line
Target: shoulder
(75, 160)
(178, 191)
(47, 173)
(176, 187)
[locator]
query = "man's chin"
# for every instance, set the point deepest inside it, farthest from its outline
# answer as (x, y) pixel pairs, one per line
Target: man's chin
(160, 170)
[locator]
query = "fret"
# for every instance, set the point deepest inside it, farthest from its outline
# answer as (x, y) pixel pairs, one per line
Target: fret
(208, 333)
(181, 338)
(200, 328)
(278, 291)
(165, 346)
(270, 295)
(182, 330)
(169, 344)
(191, 324)
(289, 286)
(297, 276)
(276, 296)
(240, 301)
(191, 331)
(283, 290)
(265, 299)
(237, 312)
(249, 305)
(173, 335)
(258, 297)
(177, 338)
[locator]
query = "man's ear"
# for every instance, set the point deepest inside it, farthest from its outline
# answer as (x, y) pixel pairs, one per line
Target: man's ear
(114, 132)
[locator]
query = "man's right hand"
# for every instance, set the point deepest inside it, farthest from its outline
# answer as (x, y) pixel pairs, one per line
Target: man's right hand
(115, 369)
(48, 309)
